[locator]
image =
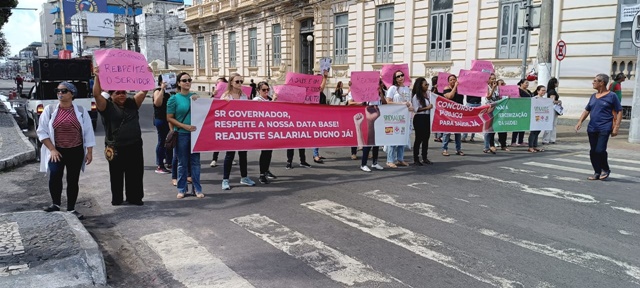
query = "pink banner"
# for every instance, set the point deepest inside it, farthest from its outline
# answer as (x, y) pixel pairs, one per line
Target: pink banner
(510, 90)
(364, 86)
(473, 83)
(388, 72)
(247, 91)
(288, 93)
(124, 70)
(220, 88)
(310, 82)
(482, 66)
(443, 81)
(451, 117)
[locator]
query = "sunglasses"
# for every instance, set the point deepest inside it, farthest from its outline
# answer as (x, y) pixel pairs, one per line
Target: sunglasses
(62, 91)
(265, 90)
(186, 80)
(239, 81)
(401, 75)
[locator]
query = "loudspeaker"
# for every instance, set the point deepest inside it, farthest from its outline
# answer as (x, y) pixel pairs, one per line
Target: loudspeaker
(62, 69)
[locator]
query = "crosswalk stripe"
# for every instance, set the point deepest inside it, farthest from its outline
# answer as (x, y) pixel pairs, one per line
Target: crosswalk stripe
(324, 259)
(613, 159)
(191, 264)
(578, 170)
(539, 175)
(549, 191)
(418, 208)
(589, 164)
(417, 243)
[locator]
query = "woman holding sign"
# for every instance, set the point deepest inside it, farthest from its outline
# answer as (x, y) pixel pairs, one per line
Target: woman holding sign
(524, 93)
(265, 155)
(179, 115)
(451, 93)
(234, 92)
(421, 121)
(397, 94)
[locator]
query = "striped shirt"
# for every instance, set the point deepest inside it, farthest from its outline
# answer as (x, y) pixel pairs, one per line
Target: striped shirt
(68, 131)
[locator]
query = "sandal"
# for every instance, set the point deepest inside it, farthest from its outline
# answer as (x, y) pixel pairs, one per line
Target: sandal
(445, 153)
(539, 149)
(460, 153)
(174, 182)
(595, 176)
(485, 151)
(605, 175)
(318, 160)
(531, 150)
(391, 165)
(492, 150)
(505, 149)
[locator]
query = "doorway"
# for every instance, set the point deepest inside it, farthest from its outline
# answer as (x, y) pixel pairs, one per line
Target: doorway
(306, 46)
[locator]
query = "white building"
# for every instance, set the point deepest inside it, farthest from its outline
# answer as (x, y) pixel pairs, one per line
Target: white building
(47, 30)
(93, 31)
(162, 28)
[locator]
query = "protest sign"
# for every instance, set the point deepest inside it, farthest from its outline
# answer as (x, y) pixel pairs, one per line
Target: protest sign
(443, 81)
(288, 93)
(510, 90)
(388, 73)
(246, 90)
(310, 82)
(123, 70)
(255, 125)
(170, 79)
(364, 86)
(482, 66)
(325, 64)
(473, 83)
(220, 88)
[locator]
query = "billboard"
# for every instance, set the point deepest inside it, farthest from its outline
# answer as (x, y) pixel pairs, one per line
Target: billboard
(100, 25)
(71, 7)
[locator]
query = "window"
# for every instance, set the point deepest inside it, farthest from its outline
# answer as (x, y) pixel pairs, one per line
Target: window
(511, 39)
(253, 47)
(190, 49)
(103, 44)
(183, 49)
(384, 34)
(201, 56)
(277, 49)
(441, 22)
(214, 50)
(623, 45)
(232, 49)
(341, 38)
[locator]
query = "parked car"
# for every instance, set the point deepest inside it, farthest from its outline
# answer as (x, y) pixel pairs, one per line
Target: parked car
(18, 110)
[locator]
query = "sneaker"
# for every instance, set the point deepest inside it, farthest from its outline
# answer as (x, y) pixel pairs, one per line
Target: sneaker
(234, 162)
(263, 179)
(247, 181)
(365, 169)
(377, 166)
(270, 175)
(162, 170)
(77, 214)
(289, 166)
(305, 164)
(225, 184)
(214, 163)
(52, 208)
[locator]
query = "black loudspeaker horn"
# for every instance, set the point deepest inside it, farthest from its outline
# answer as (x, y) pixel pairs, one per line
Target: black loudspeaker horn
(62, 69)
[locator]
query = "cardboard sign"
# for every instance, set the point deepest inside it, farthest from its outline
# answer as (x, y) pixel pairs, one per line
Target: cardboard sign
(288, 93)
(220, 88)
(388, 73)
(482, 66)
(310, 82)
(246, 90)
(325, 64)
(473, 83)
(170, 79)
(364, 86)
(510, 90)
(124, 70)
(443, 81)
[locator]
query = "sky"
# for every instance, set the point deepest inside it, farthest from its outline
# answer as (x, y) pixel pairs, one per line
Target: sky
(23, 26)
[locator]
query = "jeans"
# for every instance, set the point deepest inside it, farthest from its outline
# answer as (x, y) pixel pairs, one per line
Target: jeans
(303, 157)
(316, 152)
(187, 159)
(598, 153)
(533, 139)
(517, 136)
(489, 140)
(228, 161)
(395, 153)
(72, 158)
(265, 161)
(127, 169)
(423, 131)
(354, 150)
(162, 127)
(464, 135)
(447, 138)
(365, 155)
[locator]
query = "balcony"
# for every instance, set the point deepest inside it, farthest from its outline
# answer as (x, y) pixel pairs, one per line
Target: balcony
(624, 64)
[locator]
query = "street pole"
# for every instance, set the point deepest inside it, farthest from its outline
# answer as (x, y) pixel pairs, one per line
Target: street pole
(310, 40)
(268, 59)
(64, 34)
(526, 41)
(136, 44)
(164, 27)
(634, 124)
(544, 44)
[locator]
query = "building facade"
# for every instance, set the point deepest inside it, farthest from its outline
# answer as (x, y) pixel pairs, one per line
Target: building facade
(162, 28)
(85, 39)
(265, 39)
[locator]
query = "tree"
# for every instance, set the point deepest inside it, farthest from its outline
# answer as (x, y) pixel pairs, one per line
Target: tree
(5, 12)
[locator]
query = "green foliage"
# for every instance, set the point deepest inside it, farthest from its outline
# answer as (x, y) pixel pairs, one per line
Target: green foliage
(5, 13)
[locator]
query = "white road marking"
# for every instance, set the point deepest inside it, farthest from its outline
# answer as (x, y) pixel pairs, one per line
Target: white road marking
(191, 264)
(589, 164)
(623, 232)
(625, 209)
(541, 176)
(612, 159)
(324, 259)
(414, 185)
(483, 206)
(462, 200)
(417, 243)
(578, 170)
(418, 208)
(549, 191)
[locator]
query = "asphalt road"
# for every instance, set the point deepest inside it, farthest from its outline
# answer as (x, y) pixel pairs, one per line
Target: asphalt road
(513, 219)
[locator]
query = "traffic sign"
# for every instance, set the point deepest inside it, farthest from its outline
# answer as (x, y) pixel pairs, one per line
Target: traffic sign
(561, 50)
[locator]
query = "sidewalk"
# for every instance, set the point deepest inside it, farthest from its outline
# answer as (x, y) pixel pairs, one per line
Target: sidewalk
(15, 148)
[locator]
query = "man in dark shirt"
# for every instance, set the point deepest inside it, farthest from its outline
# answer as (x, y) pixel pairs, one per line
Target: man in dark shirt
(254, 89)
(19, 84)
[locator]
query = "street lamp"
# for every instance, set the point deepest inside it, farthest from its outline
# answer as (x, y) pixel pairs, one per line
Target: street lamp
(268, 59)
(310, 39)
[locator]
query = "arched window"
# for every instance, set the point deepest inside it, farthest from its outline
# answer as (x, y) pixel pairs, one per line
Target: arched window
(441, 25)
(510, 38)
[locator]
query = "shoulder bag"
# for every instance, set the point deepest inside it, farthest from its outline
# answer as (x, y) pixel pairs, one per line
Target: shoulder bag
(172, 138)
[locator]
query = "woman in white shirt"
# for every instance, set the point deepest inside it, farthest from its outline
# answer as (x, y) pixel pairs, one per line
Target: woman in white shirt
(421, 120)
(397, 94)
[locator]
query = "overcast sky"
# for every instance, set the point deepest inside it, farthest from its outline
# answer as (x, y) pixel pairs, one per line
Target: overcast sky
(24, 26)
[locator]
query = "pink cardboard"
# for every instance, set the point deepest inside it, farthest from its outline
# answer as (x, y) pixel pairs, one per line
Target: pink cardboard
(220, 88)
(246, 90)
(288, 93)
(364, 86)
(473, 83)
(482, 66)
(310, 82)
(512, 91)
(443, 81)
(124, 70)
(389, 70)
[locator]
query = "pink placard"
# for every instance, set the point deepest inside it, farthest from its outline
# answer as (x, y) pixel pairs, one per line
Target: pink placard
(289, 93)
(220, 88)
(364, 86)
(389, 70)
(310, 82)
(443, 81)
(482, 66)
(473, 83)
(246, 90)
(512, 91)
(123, 70)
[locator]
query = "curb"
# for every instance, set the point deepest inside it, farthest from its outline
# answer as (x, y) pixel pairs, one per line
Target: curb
(22, 157)
(91, 252)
